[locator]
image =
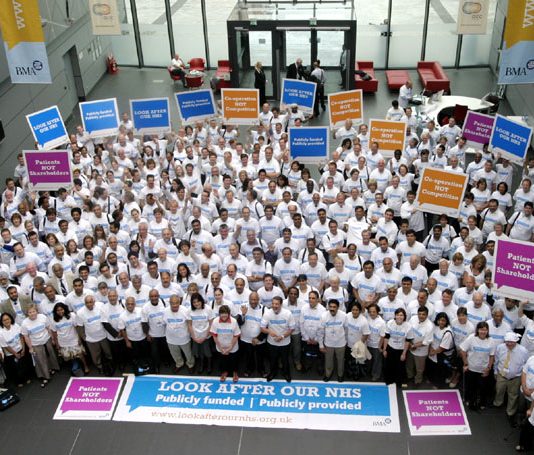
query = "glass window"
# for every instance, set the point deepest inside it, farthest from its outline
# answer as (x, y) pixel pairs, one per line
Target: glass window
(123, 45)
(187, 29)
(442, 38)
(406, 35)
(154, 33)
(372, 24)
(217, 11)
(329, 47)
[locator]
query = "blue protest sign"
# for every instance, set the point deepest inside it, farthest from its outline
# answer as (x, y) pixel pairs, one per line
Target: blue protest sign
(101, 117)
(301, 93)
(196, 105)
(47, 127)
(151, 115)
(309, 143)
(510, 139)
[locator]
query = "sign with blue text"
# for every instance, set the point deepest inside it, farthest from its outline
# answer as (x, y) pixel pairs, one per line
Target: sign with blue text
(151, 115)
(510, 139)
(100, 117)
(301, 93)
(196, 105)
(48, 128)
(256, 403)
(309, 144)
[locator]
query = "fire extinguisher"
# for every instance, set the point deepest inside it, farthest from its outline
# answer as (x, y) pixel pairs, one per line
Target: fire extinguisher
(111, 64)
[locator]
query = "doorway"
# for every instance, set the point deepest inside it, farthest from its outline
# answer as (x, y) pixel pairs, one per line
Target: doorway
(73, 75)
(277, 44)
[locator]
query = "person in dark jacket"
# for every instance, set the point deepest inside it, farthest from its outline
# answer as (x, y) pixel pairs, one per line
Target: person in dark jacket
(260, 81)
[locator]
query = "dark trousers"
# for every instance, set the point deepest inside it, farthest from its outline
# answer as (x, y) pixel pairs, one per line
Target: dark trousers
(261, 89)
(254, 357)
(159, 351)
(320, 94)
(140, 354)
(526, 435)
(179, 72)
(477, 389)
(394, 367)
(118, 351)
(277, 353)
(17, 370)
(343, 77)
(228, 363)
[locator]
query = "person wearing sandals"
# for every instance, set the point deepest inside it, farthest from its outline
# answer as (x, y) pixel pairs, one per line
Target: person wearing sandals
(16, 360)
(225, 331)
(66, 338)
(36, 329)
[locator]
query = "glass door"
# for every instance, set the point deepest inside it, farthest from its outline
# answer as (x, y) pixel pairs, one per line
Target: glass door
(298, 45)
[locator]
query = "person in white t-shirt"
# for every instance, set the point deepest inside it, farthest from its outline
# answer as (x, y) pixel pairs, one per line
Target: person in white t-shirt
(478, 353)
(225, 332)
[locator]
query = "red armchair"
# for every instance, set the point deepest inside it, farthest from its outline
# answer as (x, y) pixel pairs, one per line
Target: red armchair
(222, 75)
(370, 85)
(433, 78)
(197, 64)
(174, 77)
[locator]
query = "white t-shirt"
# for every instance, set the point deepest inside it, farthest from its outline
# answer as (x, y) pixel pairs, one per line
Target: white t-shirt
(200, 320)
(478, 352)
(225, 333)
(66, 331)
(176, 329)
(10, 338)
(398, 334)
(279, 323)
(356, 328)
(36, 330)
(132, 322)
(92, 321)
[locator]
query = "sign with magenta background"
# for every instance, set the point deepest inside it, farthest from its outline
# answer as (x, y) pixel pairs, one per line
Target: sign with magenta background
(513, 269)
(89, 398)
(435, 412)
(477, 128)
(48, 170)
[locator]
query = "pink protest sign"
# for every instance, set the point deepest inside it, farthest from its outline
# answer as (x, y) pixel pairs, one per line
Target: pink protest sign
(513, 269)
(89, 399)
(435, 412)
(478, 128)
(48, 170)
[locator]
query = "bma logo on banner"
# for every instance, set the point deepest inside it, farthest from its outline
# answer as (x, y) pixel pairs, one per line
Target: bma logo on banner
(33, 70)
(519, 70)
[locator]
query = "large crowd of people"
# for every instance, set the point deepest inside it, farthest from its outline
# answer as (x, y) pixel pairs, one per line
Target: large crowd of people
(210, 249)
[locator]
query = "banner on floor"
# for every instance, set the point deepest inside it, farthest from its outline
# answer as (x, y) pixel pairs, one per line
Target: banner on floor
(301, 93)
(241, 106)
(151, 115)
(436, 412)
(100, 117)
(344, 106)
(472, 17)
(510, 139)
(255, 403)
(517, 55)
(309, 143)
(389, 134)
(48, 170)
(196, 105)
(513, 268)
(105, 17)
(441, 192)
(477, 128)
(48, 128)
(24, 43)
(89, 398)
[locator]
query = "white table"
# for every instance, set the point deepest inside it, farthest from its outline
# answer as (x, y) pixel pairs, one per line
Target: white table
(430, 110)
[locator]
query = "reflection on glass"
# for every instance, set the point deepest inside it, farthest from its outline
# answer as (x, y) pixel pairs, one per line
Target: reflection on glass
(154, 33)
(187, 29)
